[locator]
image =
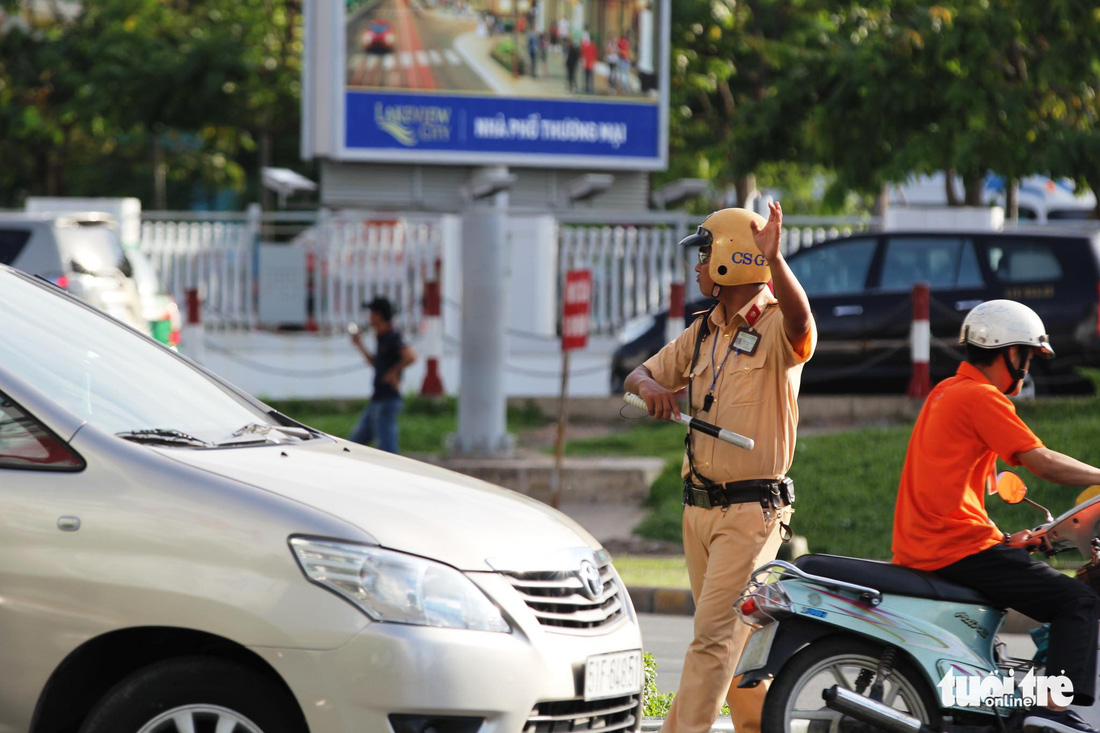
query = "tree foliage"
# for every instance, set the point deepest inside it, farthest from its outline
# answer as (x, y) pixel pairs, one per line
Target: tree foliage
(742, 83)
(181, 89)
(875, 90)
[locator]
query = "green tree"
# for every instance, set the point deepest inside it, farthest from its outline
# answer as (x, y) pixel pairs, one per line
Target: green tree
(956, 86)
(1069, 101)
(875, 91)
(742, 84)
(45, 123)
(153, 98)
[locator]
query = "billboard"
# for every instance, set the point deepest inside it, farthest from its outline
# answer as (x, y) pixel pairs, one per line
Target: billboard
(548, 83)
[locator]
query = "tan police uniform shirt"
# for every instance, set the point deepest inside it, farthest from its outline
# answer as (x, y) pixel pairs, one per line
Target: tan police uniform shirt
(755, 396)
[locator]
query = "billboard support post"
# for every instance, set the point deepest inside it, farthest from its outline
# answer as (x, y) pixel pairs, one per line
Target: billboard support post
(647, 71)
(482, 404)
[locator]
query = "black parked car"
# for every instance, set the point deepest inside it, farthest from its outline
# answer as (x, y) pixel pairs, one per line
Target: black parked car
(860, 289)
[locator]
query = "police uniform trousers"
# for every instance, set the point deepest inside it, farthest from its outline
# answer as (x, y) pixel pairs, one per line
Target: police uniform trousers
(722, 547)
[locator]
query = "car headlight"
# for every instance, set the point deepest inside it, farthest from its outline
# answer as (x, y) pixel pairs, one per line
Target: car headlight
(399, 588)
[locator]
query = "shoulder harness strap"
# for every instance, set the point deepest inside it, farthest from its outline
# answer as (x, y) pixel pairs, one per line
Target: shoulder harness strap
(704, 331)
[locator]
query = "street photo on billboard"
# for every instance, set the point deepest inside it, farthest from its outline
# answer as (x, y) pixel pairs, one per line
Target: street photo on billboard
(511, 48)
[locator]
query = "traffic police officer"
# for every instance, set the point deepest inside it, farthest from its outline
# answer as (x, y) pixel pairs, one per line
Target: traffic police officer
(742, 365)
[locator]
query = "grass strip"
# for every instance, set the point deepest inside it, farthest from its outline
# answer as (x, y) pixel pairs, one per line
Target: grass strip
(643, 571)
(422, 427)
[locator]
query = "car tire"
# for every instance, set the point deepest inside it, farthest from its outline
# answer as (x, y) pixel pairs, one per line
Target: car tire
(212, 692)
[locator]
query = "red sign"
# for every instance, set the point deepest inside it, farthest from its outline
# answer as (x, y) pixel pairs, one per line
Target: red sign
(576, 305)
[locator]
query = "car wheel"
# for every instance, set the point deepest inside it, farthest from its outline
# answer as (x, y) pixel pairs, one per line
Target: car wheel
(195, 693)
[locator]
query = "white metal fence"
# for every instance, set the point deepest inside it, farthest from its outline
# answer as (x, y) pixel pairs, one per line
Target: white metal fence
(349, 259)
(634, 263)
(215, 255)
(352, 256)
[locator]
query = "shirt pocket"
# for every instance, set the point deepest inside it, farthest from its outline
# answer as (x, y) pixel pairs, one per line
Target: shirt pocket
(700, 384)
(747, 380)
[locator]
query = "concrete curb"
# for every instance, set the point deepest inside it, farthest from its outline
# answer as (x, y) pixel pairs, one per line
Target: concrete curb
(671, 601)
(678, 602)
(722, 725)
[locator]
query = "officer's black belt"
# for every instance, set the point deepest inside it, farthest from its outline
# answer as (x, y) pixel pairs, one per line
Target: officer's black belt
(769, 493)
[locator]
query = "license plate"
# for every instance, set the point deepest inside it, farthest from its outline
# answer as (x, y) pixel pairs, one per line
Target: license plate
(757, 649)
(612, 675)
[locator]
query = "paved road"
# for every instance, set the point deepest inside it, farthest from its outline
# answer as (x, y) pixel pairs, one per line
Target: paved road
(423, 54)
(667, 638)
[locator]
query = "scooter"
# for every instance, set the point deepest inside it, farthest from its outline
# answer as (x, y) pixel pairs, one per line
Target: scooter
(854, 645)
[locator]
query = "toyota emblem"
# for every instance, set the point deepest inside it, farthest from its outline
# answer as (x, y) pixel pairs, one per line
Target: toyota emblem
(591, 582)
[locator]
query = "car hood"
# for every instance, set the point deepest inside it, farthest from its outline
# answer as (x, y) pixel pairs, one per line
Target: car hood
(406, 505)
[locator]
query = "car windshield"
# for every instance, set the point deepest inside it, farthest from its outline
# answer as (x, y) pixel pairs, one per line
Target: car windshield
(94, 249)
(107, 375)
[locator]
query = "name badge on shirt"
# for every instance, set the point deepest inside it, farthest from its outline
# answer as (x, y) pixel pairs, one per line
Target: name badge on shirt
(746, 341)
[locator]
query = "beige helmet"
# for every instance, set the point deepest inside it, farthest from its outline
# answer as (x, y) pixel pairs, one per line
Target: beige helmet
(734, 257)
(998, 323)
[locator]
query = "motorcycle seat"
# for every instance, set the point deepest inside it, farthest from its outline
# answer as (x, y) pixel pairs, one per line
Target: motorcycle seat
(890, 579)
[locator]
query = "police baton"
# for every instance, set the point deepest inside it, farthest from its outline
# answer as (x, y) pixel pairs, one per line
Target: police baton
(695, 424)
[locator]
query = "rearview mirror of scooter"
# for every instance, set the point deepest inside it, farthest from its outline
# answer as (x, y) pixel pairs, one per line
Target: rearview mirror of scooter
(1011, 487)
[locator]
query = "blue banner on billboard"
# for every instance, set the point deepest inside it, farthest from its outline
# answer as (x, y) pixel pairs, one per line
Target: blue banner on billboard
(483, 124)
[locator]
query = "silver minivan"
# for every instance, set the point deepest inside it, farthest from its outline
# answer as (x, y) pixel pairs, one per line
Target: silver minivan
(81, 253)
(180, 557)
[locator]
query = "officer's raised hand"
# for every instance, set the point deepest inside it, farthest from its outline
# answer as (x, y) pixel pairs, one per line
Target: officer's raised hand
(788, 291)
(767, 238)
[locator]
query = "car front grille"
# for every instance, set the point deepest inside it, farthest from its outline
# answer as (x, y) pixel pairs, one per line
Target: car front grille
(559, 603)
(616, 713)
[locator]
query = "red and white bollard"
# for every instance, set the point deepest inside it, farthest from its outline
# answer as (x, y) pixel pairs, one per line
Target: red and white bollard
(674, 325)
(920, 341)
(433, 337)
(194, 342)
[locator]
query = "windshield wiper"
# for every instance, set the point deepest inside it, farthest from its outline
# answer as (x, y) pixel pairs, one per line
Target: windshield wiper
(163, 436)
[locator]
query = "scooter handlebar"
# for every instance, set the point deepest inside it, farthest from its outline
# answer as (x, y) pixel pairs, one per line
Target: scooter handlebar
(695, 424)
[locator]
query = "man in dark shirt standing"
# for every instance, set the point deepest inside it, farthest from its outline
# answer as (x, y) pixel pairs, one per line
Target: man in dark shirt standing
(379, 418)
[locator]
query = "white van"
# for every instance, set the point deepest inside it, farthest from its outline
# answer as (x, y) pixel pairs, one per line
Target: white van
(81, 253)
(1040, 199)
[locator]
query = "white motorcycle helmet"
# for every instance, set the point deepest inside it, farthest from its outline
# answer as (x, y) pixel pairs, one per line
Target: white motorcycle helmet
(998, 324)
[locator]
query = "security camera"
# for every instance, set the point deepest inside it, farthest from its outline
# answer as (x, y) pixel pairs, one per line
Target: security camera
(679, 191)
(586, 186)
(488, 183)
